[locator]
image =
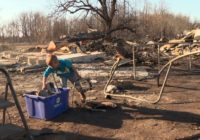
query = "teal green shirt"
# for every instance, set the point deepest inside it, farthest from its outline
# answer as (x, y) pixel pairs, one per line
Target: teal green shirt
(64, 69)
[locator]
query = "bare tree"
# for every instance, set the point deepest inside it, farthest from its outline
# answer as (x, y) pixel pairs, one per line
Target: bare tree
(60, 27)
(24, 23)
(2, 33)
(39, 27)
(13, 30)
(104, 15)
(34, 27)
(104, 10)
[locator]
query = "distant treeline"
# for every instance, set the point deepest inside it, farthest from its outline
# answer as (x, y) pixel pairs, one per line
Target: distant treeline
(152, 21)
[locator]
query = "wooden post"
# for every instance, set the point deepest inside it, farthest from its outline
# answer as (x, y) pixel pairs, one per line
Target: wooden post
(134, 64)
(158, 57)
(189, 60)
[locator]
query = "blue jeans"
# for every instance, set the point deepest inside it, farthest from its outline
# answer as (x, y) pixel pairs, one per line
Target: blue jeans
(74, 80)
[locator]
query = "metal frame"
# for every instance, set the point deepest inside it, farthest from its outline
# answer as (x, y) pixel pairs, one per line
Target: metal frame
(13, 93)
(173, 60)
(158, 53)
(169, 64)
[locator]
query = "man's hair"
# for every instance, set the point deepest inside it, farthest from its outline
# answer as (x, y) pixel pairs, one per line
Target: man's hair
(51, 58)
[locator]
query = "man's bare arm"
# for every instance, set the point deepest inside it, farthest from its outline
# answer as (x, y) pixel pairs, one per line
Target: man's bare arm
(44, 82)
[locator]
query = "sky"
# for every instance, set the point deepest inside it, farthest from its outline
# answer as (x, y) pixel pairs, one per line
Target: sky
(10, 9)
(186, 7)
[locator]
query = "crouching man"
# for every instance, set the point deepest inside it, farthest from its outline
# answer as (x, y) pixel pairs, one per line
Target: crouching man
(65, 70)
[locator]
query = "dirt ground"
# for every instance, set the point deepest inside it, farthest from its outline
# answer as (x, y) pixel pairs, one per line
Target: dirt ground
(175, 117)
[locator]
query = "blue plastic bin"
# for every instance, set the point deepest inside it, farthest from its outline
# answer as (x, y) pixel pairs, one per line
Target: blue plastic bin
(47, 107)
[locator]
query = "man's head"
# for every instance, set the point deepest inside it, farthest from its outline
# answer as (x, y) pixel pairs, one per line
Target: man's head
(52, 61)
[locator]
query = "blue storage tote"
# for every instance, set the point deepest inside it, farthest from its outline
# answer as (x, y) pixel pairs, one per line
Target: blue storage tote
(47, 107)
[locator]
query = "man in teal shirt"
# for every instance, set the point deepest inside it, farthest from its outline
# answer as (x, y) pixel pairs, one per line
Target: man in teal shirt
(65, 70)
